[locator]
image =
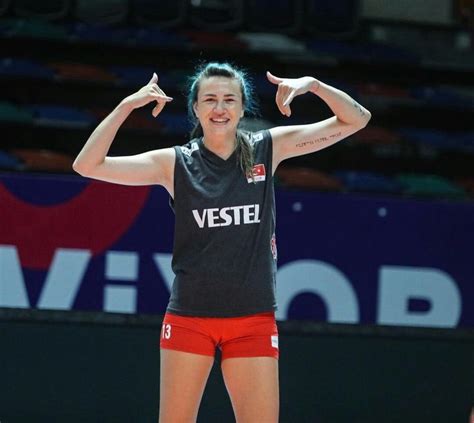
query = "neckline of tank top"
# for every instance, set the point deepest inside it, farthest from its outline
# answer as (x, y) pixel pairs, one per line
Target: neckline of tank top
(214, 157)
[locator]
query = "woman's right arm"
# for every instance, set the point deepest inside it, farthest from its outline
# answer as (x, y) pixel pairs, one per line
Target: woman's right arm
(152, 167)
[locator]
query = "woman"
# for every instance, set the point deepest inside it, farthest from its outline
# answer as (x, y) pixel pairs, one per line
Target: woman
(224, 254)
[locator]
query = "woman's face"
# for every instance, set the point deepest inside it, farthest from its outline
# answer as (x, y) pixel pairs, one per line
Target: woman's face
(219, 105)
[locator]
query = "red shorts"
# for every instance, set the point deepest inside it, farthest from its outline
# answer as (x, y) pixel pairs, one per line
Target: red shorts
(248, 336)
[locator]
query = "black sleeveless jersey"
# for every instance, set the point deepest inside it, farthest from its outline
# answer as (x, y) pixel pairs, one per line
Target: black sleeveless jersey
(224, 254)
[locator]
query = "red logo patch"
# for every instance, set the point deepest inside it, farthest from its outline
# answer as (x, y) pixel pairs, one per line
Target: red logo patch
(258, 173)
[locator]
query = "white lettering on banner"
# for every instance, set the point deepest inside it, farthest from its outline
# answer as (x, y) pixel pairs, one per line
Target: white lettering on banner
(397, 286)
(121, 266)
(61, 285)
(163, 263)
(318, 278)
(400, 284)
(64, 279)
(227, 216)
(12, 286)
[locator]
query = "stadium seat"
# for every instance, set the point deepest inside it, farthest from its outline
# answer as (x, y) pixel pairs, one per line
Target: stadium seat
(376, 135)
(306, 178)
(216, 15)
(368, 182)
(383, 90)
(32, 28)
(44, 160)
(435, 138)
(12, 113)
(9, 161)
(429, 186)
(4, 6)
(99, 33)
(468, 185)
(103, 12)
(163, 13)
(60, 116)
(331, 17)
(133, 76)
(44, 9)
(442, 97)
(274, 16)
(272, 42)
(82, 72)
(15, 67)
(157, 37)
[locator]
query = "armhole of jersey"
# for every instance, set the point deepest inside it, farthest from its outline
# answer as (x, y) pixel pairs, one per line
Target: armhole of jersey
(268, 148)
(177, 163)
(268, 135)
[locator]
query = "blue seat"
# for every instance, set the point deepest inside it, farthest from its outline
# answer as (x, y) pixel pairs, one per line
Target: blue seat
(103, 12)
(382, 52)
(86, 31)
(9, 161)
(336, 49)
(151, 37)
(441, 97)
(60, 116)
(331, 17)
(25, 67)
(162, 14)
(280, 16)
(44, 9)
(133, 76)
(437, 139)
(466, 141)
(368, 182)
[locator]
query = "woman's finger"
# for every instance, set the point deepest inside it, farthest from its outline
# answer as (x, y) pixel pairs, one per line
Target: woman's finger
(157, 109)
(161, 98)
(282, 101)
(160, 103)
(278, 100)
(289, 99)
(274, 79)
(154, 79)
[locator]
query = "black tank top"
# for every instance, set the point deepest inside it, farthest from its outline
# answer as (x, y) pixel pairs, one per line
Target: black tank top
(224, 254)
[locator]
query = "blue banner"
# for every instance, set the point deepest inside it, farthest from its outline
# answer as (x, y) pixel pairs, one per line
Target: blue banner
(67, 242)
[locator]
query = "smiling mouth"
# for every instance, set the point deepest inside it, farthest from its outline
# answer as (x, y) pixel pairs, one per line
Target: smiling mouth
(220, 121)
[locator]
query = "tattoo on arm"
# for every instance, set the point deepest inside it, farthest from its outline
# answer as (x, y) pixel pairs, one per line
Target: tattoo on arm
(358, 107)
(303, 144)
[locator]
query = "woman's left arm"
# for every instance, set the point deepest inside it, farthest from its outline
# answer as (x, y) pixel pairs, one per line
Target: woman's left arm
(296, 140)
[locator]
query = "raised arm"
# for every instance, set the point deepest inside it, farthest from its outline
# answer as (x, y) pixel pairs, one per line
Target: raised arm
(296, 140)
(152, 167)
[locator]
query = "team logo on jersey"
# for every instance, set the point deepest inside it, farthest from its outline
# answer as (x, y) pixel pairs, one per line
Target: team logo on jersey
(258, 173)
(273, 246)
(189, 151)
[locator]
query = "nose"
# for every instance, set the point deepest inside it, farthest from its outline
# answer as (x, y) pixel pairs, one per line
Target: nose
(219, 106)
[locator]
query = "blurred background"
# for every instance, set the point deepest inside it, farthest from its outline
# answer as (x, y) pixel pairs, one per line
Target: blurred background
(374, 234)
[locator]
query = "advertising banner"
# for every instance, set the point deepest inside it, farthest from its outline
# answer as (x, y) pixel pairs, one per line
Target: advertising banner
(68, 242)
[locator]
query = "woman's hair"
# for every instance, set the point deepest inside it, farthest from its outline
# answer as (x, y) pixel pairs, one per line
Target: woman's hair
(206, 70)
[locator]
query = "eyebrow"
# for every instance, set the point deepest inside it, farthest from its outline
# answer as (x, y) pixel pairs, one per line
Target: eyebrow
(215, 95)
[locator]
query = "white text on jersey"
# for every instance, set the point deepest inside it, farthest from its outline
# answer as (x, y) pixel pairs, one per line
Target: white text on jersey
(237, 215)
